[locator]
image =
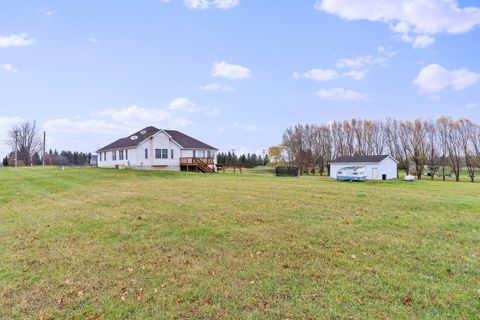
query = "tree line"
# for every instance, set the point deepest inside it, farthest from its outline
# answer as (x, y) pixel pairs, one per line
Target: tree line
(420, 146)
(247, 161)
(25, 139)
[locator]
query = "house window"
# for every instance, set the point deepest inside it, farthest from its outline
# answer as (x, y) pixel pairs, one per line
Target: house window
(126, 154)
(146, 153)
(120, 154)
(100, 157)
(171, 153)
(105, 156)
(209, 154)
(161, 153)
(194, 153)
(114, 155)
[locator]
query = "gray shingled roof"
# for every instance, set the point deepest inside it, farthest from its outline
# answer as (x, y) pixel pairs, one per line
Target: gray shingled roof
(182, 139)
(355, 159)
(188, 142)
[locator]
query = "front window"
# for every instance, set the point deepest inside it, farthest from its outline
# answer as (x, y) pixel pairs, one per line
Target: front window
(171, 153)
(194, 153)
(209, 154)
(126, 154)
(114, 155)
(120, 154)
(164, 153)
(146, 153)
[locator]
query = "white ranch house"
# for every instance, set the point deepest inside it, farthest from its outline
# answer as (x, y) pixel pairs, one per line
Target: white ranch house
(375, 166)
(153, 148)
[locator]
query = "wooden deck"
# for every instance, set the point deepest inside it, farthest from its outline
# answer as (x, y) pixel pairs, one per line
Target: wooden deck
(205, 165)
(191, 161)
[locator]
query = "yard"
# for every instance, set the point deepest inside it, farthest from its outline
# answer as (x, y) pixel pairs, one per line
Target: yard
(106, 244)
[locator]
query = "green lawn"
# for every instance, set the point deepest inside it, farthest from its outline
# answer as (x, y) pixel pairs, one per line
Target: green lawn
(112, 244)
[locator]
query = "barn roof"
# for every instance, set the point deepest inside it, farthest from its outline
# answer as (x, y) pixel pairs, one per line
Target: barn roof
(360, 159)
(183, 140)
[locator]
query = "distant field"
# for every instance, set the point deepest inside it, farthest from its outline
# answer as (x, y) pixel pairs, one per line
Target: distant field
(112, 244)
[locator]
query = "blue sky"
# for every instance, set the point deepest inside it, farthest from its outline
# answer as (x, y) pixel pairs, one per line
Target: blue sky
(234, 73)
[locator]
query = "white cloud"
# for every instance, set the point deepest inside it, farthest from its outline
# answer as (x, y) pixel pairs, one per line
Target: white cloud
(359, 67)
(16, 40)
(92, 40)
(355, 74)
(8, 67)
(213, 112)
(341, 94)
(182, 104)
(367, 61)
(84, 126)
(49, 12)
(118, 120)
(6, 124)
(416, 21)
(216, 87)
(321, 74)
(230, 71)
(324, 75)
(434, 78)
(296, 75)
(206, 4)
(473, 105)
(355, 63)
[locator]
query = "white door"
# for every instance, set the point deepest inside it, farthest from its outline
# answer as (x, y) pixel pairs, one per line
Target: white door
(374, 173)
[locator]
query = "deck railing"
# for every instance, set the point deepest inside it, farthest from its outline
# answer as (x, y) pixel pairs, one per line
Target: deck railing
(187, 161)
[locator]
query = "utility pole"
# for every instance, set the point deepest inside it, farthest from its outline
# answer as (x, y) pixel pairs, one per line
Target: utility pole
(43, 148)
(16, 147)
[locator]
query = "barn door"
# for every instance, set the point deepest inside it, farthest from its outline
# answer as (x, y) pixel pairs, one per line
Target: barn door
(374, 173)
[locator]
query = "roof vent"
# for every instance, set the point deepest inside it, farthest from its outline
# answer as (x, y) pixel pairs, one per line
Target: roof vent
(134, 137)
(143, 132)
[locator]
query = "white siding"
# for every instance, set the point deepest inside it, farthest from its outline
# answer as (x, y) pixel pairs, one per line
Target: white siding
(136, 155)
(387, 166)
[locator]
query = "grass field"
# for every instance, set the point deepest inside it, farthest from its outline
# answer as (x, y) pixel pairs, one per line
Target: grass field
(106, 244)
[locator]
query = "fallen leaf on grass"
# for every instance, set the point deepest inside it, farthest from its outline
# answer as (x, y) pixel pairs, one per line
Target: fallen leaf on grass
(407, 301)
(346, 221)
(285, 266)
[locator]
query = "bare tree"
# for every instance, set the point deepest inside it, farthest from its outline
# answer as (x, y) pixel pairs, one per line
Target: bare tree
(25, 139)
(392, 135)
(450, 136)
(466, 131)
(475, 138)
(433, 148)
(417, 145)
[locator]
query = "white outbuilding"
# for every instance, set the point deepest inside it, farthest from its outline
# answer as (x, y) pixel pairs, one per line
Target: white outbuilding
(376, 167)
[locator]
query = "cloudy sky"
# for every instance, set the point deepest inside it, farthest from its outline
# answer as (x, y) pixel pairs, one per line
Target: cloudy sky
(234, 73)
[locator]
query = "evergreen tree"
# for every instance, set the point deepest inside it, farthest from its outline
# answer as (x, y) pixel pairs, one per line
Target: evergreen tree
(36, 161)
(5, 161)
